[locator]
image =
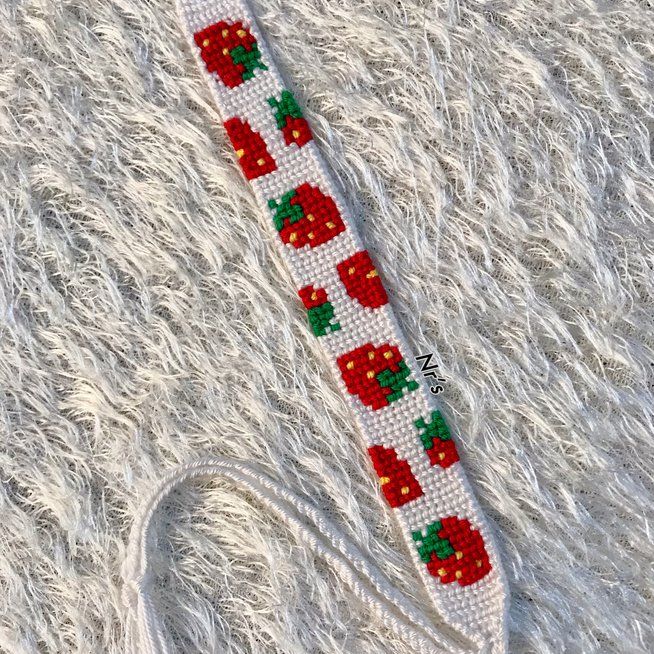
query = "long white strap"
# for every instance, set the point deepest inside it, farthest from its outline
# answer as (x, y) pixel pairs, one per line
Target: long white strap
(357, 333)
(145, 634)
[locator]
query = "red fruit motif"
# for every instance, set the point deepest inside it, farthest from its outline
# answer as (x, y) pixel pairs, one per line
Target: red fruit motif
(306, 216)
(296, 131)
(361, 280)
(290, 120)
(453, 551)
(377, 375)
(230, 51)
(250, 149)
(398, 483)
(320, 310)
(437, 440)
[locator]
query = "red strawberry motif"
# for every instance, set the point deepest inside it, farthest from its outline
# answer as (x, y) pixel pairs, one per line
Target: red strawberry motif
(437, 440)
(306, 216)
(250, 149)
(320, 310)
(453, 551)
(378, 375)
(289, 119)
(313, 298)
(361, 280)
(230, 51)
(398, 483)
(296, 130)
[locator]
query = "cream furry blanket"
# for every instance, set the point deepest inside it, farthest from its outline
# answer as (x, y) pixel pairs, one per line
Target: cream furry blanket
(499, 156)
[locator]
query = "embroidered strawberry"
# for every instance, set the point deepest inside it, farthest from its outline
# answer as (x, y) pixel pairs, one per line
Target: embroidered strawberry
(361, 280)
(376, 374)
(437, 440)
(398, 483)
(320, 310)
(290, 120)
(230, 51)
(453, 551)
(250, 149)
(306, 216)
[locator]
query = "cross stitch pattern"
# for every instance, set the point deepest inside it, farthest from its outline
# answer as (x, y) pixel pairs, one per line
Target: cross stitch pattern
(320, 245)
(453, 551)
(250, 148)
(494, 157)
(229, 50)
(290, 120)
(437, 440)
(306, 216)
(320, 310)
(398, 483)
(361, 279)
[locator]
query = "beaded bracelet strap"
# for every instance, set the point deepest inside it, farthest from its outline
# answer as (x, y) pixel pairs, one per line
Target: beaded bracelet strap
(409, 443)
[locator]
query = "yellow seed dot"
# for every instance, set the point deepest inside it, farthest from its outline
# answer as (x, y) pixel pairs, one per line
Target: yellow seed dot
(296, 134)
(314, 296)
(373, 273)
(442, 572)
(441, 456)
(310, 235)
(458, 574)
(261, 162)
(293, 237)
(330, 225)
(310, 217)
(384, 480)
(404, 490)
(240, 153)
(205, 43)
(478, 562)
(351, 271)
(371, 355)
(459, 555)
(370, 374)
(242, 33)
(388, 355)
(350, 365)
(225, 51)
(225, 33)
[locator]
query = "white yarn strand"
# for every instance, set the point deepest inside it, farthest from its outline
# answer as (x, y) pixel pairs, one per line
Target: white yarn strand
(144, 631)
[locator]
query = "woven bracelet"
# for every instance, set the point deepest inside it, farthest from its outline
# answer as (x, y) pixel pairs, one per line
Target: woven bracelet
(409, 443)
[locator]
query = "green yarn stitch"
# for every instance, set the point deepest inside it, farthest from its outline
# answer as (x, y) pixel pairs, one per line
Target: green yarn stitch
(397, 381)
(286, 106)
(320, 319)
(435, 429)
(432, 543)
(250, 59)
(284, 210)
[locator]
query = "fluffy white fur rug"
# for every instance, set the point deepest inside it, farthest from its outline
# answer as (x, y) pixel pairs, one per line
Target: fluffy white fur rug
(498, 154)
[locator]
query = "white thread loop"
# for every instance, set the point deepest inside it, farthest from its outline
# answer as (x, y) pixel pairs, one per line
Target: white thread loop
(145, 634)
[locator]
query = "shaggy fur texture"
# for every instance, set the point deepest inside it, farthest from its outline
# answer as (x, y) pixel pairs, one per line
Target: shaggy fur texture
(498, 155)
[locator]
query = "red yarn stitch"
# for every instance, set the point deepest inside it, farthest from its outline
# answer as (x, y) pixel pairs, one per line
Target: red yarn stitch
(361, 280)
(470, 561)
(443, 453)
(398, 483)
(220, 44)
(313, 297)
(361, 367)
(306, 216)
(250, 149)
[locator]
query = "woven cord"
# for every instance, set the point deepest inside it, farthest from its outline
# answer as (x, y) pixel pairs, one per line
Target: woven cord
(145, 633)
